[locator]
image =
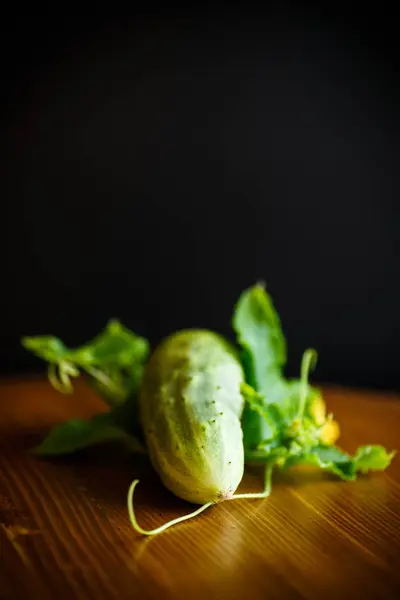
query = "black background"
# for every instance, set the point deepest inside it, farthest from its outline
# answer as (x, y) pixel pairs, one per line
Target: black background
(154, 167)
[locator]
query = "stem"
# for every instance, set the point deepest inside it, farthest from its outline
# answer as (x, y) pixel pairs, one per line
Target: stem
(308, 362)
(267, 486)
(139, 529)
(106, 381)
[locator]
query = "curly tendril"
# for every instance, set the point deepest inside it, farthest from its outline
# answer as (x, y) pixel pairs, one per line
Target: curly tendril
(139, 529)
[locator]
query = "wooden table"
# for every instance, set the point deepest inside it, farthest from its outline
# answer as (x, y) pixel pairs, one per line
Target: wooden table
(65, 533)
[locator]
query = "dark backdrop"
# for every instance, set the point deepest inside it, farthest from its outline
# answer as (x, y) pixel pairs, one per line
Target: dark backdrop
(152, 169)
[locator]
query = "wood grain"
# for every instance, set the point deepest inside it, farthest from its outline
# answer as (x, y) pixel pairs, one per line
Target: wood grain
(65, 533)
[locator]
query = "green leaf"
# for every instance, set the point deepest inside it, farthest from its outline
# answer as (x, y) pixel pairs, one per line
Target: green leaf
(263, 345)
(119, 424)
(116, 345)
(336, 461)
(329, 459)
(259, 333)
(113, 361)
(332, 454)
(77, 434)
(287, 395)
(372, 458)
(269, 413)
(284, 420)
(47, 347)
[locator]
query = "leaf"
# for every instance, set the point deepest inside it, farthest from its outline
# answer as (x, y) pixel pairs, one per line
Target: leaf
(77, 434)
(46, 347)
(116, 345)
(329, 459)
(259, 333)
(338, 462)
(372, 458)
(113, 361)
(269, 413)
(287, 394)
(285, 420)
(332, 454)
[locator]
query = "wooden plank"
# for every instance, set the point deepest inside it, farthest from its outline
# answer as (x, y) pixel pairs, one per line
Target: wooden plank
(65, 533)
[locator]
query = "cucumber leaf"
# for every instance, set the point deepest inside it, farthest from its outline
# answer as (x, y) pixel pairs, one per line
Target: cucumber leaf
(301, 443)
(329, 459)
(372, 458)
(119, 424)
(77, 434)
(259, 333)
(112, 362)
(285, 421)
(270, 414)
(334, 460)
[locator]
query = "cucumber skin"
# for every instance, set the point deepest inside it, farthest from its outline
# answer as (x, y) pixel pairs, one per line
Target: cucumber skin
(190, 407)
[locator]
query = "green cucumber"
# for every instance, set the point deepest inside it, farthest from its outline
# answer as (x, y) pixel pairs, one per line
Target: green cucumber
(190, 408)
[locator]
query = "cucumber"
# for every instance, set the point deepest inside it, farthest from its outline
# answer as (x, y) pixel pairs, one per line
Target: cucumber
(190, 407)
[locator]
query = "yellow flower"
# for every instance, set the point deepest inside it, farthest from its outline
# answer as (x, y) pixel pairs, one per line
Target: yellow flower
(330, 432)
(317, 410)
